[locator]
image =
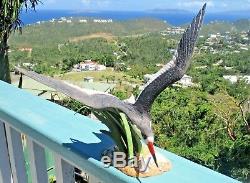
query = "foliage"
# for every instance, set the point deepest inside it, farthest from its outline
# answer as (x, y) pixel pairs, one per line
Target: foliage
(200, 127)
(126, 135)
(9, 21)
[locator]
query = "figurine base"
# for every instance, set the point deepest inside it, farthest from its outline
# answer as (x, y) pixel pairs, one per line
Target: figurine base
(151, 169)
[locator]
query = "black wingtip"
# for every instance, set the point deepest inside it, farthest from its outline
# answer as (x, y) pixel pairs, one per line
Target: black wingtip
(204, 6)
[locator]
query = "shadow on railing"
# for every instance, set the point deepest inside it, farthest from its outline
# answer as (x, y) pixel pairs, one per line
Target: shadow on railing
(75, 140)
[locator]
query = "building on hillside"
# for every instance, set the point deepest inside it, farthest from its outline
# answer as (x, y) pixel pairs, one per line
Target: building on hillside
(147, 77)
(88, 79)
(228, 68)
(38, 89)
(201, 67)
(185, 81)
(102, 20)
(89, 65)
(219, 63)
(173, 30)
(25, 49)
(83, 21)
(100, 67)
(233, 78)
(28, 65)
(159, 65)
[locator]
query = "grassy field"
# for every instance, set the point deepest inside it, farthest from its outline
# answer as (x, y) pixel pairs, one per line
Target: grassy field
(106, 36)
(112, 76)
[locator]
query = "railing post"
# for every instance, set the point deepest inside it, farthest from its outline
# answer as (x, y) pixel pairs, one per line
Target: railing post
(16, 155)
(93, 179)
(5, 171)
(64, 171)
(38, 165)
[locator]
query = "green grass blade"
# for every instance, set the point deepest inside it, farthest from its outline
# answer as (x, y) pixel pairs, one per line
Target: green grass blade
(114, 131)
(129, 138)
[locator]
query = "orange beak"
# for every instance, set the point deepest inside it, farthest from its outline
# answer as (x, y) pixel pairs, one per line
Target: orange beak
(152, 152)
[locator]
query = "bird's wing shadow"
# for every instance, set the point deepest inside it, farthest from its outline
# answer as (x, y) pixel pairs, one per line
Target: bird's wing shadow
(91, 150)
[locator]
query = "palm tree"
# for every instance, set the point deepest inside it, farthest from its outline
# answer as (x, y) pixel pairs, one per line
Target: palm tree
(10, 21)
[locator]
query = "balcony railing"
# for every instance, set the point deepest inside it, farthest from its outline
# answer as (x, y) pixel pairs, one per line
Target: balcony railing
(75, 140)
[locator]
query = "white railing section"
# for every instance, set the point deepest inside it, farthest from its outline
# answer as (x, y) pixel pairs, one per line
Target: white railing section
(12, 160)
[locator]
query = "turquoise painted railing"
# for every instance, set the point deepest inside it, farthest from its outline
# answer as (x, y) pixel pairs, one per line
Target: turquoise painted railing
(76, 141)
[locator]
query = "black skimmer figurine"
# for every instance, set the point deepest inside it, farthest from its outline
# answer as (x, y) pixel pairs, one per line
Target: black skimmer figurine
(138, 112)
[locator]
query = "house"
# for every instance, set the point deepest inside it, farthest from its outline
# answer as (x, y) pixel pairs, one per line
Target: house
(100, 67)
(244, 48)
(88, 65)
(88, 79)
(25, 49)
(39, 89)
(186, 81)
(219, 63)
(233, 78)
(201, 67)
(228, 68)
(83, 21)
(159, 65)
(173, 30)
(63, 19)
(147, 77)
(102, 20)
(172, 51)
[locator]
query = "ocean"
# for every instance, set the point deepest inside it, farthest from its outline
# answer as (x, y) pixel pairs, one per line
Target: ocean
(172, 17)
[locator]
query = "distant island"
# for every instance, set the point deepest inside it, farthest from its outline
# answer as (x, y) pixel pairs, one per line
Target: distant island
(175, 17)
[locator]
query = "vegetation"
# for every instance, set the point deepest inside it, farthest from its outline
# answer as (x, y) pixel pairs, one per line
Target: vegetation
(9, 21)
(222, 26)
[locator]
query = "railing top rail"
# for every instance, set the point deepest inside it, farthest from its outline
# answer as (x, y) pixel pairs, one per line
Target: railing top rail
(80, 140)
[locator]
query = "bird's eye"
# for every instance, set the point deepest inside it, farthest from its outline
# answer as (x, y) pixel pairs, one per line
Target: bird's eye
(144, 136)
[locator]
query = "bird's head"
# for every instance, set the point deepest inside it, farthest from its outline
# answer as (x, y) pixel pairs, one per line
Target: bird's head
(150, 143)
(143, 121)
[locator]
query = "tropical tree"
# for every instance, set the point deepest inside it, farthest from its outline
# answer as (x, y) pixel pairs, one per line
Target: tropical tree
(10, 21)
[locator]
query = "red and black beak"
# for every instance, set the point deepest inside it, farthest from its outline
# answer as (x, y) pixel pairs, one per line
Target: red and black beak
(152, 151)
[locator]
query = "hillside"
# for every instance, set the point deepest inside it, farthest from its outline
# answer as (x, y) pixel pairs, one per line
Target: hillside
(50, 34)
(54, 33)
(72, 41)
(221, 27)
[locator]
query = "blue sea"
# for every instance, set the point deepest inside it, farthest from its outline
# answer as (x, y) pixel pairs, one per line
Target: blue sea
(172, 17)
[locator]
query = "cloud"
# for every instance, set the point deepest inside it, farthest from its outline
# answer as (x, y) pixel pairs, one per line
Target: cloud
(194, 3)
(100, 3)
(50, 1)
(86, 2)
(224, 5)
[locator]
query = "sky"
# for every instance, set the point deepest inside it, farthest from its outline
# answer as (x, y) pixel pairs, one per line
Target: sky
(141, 5)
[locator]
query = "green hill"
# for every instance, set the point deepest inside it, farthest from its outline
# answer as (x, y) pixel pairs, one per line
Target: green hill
(51, 34)
(222, 26)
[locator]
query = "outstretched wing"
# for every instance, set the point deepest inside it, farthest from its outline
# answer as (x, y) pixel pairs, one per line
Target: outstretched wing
(176, 68)
(91, 98)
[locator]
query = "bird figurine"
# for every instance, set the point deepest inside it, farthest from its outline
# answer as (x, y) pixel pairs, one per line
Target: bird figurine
(138, 112)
